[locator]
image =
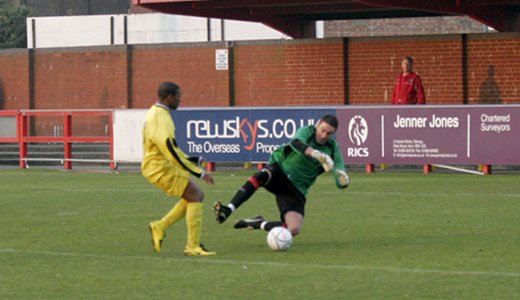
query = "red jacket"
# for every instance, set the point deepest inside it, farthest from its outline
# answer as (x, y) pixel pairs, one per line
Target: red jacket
(408, 89)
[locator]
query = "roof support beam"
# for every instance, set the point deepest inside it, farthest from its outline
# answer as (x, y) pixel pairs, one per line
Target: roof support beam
(296, 18)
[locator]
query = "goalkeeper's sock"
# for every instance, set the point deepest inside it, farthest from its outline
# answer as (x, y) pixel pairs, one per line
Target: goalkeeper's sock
(174, 215)
(242, 195)
(232, 207)
(267, 226)
(194, 224)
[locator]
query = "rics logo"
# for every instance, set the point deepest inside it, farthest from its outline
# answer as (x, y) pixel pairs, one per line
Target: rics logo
(358, 130)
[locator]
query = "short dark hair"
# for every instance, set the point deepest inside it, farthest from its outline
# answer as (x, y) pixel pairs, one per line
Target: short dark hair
(167, 88)
(409, 59)
(331, 120)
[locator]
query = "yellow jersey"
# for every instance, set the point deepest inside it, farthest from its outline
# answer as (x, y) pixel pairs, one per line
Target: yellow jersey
(161, 152)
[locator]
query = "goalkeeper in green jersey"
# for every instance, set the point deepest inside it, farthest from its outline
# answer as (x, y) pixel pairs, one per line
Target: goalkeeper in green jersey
(291, 171)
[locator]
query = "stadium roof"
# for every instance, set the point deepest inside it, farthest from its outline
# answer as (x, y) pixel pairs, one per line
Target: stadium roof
(296, 17)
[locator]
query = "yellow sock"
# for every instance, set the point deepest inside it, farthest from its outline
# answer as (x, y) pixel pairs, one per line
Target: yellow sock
(178, 212)
(194, 223)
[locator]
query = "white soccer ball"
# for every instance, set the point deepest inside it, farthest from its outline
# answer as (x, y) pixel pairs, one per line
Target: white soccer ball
(279, 239)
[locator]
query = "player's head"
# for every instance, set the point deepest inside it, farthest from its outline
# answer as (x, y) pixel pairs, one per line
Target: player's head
(169, 94)
(325, 128)
(407, 64)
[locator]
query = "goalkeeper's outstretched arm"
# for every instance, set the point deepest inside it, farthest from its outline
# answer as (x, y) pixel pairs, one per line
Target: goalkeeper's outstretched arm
(342, 179)
(323, 158)
(340, 172)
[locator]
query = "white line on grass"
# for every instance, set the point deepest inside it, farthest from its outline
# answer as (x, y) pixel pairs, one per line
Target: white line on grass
(339, 193)
(272, 264)
(109, 190)
(437, 194)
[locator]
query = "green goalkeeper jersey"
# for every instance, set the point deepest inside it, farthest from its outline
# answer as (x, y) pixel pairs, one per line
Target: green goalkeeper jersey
(301, 169)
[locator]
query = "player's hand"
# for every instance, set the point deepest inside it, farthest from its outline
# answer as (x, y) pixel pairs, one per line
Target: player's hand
(343, 178)
(324, 159)
(208, 177)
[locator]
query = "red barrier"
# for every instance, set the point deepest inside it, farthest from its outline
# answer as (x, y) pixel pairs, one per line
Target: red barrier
(23, 137)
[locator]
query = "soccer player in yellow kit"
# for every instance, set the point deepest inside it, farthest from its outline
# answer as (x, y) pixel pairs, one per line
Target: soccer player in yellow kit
(169, 168)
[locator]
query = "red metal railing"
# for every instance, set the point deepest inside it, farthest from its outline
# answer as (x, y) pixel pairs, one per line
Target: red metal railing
(23, 137)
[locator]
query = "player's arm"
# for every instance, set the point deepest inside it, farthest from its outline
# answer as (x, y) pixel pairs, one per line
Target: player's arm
(299, 146)
(164, 138)
(340, 173)
(298, 141)
(177, 154)
(304, 134)
(421, 99)
(198, 160)
(326, 162)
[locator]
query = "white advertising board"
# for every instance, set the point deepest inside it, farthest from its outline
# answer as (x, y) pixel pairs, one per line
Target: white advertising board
(128, 140)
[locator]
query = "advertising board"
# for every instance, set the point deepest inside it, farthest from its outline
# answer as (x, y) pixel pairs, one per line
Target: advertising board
(425, 134)
(430, 134)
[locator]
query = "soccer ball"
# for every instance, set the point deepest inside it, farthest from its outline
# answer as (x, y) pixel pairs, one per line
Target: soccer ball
(279, 239)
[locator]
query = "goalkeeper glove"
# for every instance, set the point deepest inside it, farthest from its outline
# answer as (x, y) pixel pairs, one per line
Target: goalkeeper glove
(343, 178)
(324, 159)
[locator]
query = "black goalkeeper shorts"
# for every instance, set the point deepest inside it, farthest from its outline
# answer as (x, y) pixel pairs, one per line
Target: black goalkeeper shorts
(288, 197)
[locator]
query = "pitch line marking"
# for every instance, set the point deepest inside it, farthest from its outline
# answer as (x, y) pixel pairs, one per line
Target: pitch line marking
(244, 264)
(423, 194)
(214, 190)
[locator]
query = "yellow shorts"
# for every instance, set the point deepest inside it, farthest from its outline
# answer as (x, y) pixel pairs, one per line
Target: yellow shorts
(174, 181)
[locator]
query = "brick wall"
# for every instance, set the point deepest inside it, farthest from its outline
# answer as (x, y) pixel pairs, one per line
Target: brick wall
(192, 66)
(14, 79)
(494, 69)
(374, 64)
(80, 78)
(304, 72)
(266, 73)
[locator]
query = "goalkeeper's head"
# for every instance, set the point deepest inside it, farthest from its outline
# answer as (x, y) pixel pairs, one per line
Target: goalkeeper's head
(325, 128)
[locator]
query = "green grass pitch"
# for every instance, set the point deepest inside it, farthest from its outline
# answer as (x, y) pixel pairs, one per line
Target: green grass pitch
(84, 235)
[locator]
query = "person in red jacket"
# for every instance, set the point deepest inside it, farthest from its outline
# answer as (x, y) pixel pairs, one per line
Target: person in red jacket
(408, 87)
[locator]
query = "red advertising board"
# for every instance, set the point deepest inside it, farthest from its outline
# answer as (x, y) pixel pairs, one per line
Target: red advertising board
(430, 134)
